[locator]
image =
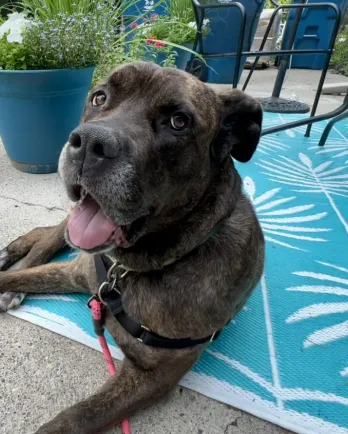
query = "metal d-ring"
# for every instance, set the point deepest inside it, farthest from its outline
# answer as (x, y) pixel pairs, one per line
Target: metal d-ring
(102, 286)
(124, 274)
(110, 270)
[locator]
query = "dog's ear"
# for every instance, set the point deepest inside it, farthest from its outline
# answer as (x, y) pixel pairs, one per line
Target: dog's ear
(240, 128)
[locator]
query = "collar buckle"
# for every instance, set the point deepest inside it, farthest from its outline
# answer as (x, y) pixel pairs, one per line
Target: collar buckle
(213, 336)
(144, 330)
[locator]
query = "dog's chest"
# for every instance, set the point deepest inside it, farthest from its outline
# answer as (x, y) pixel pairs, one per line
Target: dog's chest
(175, 304)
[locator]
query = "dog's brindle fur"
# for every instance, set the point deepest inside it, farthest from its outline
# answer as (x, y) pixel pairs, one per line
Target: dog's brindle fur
(188, 183)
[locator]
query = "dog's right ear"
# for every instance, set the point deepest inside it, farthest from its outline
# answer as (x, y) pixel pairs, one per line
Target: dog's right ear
(240, 130)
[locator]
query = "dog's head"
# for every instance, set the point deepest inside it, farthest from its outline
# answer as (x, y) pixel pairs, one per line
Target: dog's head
(149, 145)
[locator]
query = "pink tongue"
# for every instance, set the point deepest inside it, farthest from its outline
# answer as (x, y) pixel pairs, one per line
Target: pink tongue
(89, 227)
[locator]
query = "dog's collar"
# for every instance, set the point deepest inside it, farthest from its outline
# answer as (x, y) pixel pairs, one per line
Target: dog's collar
(166, 263)
(128, 269)
(110, 295)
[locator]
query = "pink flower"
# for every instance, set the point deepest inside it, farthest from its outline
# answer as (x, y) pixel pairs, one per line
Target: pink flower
(133, 25)
(154, 17)
(150, 41)
(159, 44)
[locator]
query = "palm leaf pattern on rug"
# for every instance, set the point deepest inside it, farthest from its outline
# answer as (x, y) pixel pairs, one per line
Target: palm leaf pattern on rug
(332, 279)
(281, 219)
(303, 177)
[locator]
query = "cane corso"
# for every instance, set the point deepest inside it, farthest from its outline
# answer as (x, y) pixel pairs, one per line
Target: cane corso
(158, 205)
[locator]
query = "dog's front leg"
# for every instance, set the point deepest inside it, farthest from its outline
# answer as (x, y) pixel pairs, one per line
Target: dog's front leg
(133, 389)
(35, 248)
(58, 277)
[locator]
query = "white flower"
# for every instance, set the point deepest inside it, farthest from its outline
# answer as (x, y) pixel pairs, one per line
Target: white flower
(14, 26)
(193, 24)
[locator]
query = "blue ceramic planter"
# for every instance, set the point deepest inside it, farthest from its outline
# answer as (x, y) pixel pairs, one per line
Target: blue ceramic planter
(38, 110)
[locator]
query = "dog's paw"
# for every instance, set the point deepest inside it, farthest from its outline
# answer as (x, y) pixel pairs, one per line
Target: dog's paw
(10, 300)
(4, 259)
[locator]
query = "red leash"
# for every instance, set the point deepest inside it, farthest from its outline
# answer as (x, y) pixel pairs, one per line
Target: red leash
(97, 314)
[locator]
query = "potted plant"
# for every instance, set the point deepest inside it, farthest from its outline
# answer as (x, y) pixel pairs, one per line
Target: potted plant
(150, 40)
(169, 37)
(48, 54)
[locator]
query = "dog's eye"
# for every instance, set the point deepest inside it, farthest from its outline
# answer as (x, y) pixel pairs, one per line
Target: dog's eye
(98, 99)
(179, 121)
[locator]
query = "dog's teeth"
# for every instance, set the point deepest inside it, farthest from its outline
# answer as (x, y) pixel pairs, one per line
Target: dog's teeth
(83, 194)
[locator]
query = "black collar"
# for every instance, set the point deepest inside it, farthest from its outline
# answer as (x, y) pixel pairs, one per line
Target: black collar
(110, 295)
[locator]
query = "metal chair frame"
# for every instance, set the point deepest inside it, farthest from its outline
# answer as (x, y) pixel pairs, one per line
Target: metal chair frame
(200, 11)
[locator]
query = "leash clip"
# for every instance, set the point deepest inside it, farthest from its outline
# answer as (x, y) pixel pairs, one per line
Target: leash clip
(100, 290)
(110, 283)
(110, 274)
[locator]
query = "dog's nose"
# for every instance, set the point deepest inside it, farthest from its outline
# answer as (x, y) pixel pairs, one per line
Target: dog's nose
(95, 141)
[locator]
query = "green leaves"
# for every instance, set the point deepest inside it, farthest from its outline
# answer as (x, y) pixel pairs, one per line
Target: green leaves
(65, 41)
(12, 55)
(340, 58)
(79, 33)
(49, 9)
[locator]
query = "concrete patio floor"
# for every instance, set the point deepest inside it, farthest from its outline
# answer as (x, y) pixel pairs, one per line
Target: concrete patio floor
(41, 372)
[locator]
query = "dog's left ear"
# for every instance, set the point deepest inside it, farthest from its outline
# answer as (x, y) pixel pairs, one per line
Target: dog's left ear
(241, 123)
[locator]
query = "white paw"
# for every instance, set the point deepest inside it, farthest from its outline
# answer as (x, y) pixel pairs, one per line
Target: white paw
(11, 300)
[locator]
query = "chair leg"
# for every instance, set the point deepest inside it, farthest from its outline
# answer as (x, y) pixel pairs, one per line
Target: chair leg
(325, 69)
(330, 125)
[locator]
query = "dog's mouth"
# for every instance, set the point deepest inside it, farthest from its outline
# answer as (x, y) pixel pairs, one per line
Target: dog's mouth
(89, 227)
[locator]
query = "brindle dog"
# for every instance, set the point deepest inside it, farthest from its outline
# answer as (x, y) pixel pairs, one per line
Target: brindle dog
(155, 187)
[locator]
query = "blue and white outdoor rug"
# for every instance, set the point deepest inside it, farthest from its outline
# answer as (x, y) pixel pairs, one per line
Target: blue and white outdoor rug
(285, 357)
